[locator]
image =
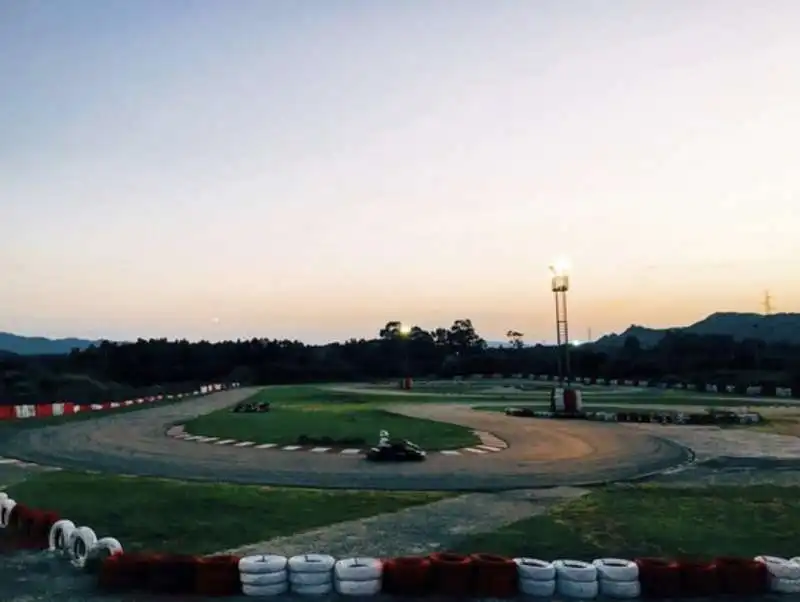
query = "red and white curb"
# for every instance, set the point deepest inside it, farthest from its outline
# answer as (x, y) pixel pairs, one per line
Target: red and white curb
(489, 444)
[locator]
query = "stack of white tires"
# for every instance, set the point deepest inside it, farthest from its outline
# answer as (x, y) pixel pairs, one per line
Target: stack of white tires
(576, 579)
(618, 578)
(6, 506)
(784, 574)
(311, 574)
(358, 576)
(537, 578)
(264, 575)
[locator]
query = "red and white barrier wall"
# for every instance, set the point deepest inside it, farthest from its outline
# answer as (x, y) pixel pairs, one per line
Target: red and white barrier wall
(47, 410)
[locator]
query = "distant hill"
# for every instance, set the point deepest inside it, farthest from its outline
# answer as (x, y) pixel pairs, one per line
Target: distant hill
(772, 329)
(21, 345)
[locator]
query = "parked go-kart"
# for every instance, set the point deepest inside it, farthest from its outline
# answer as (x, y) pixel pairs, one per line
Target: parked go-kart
(398, 450)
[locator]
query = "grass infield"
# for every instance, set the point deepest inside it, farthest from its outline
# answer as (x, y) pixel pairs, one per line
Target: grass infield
(198, 518)
(286, 424)
(656, 521)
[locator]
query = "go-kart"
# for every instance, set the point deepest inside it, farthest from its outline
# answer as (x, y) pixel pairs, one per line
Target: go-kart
(250, 407)
(396, 451)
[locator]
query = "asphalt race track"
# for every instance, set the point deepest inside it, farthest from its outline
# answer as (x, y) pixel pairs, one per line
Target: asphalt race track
(540, 454)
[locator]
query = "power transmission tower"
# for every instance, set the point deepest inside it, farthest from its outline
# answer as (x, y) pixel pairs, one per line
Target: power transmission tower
(767, 303)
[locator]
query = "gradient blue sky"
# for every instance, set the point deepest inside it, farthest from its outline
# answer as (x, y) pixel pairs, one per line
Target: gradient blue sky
(313, 168)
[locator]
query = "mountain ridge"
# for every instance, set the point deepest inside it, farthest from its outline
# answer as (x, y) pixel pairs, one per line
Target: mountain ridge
(772, 328)
(24, 345)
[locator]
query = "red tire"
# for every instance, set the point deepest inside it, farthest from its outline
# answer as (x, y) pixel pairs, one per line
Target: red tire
(407, 576)
(452, 574)
(699, 578)
(742, 576)
(494, 576)
(659, 577)
(218, 576)
(125, 572)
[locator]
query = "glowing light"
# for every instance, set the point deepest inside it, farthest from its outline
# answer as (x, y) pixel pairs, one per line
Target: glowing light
(404, 329)
(560, 267)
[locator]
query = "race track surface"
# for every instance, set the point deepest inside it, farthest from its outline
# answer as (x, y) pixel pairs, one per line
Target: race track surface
(541, 453)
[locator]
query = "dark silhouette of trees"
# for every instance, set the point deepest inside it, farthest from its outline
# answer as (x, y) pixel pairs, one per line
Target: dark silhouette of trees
(118, 370)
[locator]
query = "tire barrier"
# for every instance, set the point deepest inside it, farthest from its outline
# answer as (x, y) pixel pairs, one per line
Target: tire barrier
(618, 578)
(753, 390)
(710, 417)
(576, 579)
(265, 575)
(311, 574)
(442, 574)
(358, 576)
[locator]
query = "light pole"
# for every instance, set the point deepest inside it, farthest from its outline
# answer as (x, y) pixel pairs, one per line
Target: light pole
(559, 284)
(404, 331)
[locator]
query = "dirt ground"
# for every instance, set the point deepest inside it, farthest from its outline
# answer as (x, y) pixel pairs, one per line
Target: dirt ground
(541, 453)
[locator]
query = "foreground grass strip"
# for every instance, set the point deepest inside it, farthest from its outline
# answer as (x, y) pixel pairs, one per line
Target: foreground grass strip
(655, 521)
(198, 518)
(286, 424)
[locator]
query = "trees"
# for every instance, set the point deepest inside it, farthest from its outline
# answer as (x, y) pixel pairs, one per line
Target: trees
(111, 369)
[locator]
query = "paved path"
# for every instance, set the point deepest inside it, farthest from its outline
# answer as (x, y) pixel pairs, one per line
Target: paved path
(421, 529)
(541, 453)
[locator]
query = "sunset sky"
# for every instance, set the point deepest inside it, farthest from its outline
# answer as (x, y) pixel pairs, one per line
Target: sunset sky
(313, 168)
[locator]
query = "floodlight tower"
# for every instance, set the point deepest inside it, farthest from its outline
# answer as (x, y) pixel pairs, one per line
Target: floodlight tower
(405, 331)
(559, 284)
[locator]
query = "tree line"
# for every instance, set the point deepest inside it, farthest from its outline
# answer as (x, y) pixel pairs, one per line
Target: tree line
(110, 371)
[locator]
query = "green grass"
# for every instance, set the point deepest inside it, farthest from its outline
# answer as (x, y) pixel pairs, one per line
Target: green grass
(198, 518)
(652, 521)
(285, 424)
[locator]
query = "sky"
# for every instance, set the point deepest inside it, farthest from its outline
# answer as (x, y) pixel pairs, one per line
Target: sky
(313, 169)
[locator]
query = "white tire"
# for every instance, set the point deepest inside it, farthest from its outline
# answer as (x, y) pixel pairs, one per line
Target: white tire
(782, 568)
(784, 586)
(579, 590)
(537, 589)
(575, 570)
(622, 590)
(80, 542)
(616, 569)
(359, 588)
(311, 563)
(533, 568)
(263, 591)
(6, 506)
(106, 546)
(264, 578)
(59, 535)
(266, 563)
(310, 578)
(313, 590)
(358, 569)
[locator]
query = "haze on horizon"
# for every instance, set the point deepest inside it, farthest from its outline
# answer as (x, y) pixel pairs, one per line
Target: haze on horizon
(311, 170)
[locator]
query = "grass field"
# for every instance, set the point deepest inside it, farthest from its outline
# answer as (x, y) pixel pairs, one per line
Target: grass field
(195, 518)
(345, 424)
(652, 521)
